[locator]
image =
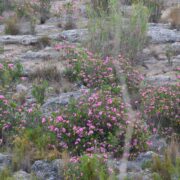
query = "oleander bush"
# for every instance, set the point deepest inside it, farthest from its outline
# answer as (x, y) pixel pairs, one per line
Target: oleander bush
(96, 123)
(160, 105)
(91, 71)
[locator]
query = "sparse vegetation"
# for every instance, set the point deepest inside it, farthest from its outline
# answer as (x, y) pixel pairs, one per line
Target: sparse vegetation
(169, 167)
(47, 72)
(111, 35)
(39, 91)
(89, 168)
(44, 41)
(11, 26)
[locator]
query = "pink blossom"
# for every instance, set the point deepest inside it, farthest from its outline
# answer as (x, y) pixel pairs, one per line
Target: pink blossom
(2, 97)
(30, 110)
(10, 66)
(43, 120)
(59, 119)
(1, 66)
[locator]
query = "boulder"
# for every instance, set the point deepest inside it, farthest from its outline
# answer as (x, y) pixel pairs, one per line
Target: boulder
(159, 33)
(45, 170)
(158, 144)
(19, 39)
(5, 161)
(48, 52)
(52, 104)
(20, 88)
(21, 175)
(145, 157)
(75, 35)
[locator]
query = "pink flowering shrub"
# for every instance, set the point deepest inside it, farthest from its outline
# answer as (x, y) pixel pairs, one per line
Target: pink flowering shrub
(91, 71)
(14, 117)
(133, 77)
(161, 106)
(96, 123)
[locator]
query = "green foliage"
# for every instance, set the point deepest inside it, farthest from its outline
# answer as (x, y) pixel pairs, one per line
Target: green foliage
(31, 144)
(166, 169)
(89, 168)
(10, 73)
(6, 5)
(110, 34)
(97, 123)
(6, 174)
(39, 91)
(92, 72)
(39, 138)
(100, 6)
(135, 39)
(155, 7)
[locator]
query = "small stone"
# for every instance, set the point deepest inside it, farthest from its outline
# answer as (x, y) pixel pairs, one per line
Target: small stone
(20, 88)
(5, 161)
(21, 175)
(48, 170)
(158, 144)
(145, 157)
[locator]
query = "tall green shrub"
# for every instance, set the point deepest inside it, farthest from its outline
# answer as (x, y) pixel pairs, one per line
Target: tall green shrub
(110, 34)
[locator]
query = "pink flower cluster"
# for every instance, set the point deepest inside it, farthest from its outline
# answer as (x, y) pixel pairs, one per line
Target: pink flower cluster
(161, 105)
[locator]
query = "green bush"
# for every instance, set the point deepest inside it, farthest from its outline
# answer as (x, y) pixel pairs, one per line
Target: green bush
(10, 73)
(39, 91)
(88, 168)
(110, 34)
(166, 169)
(155, 7)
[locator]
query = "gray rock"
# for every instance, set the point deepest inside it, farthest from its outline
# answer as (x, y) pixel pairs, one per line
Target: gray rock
(21, 175)
(45, 170)
(145, 157)
(176, 47)
(131, 165)
(75, 35)
(63, 99)
(5, 160)
(136, 176)
(20, 88)
(25, 27)
(158, 144)
(160, 80)
(159, 33)
(45, 53)
(19, 39)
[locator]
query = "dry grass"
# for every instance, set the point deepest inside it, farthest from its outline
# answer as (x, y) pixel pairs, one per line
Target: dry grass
(11, 26)
(47, 72)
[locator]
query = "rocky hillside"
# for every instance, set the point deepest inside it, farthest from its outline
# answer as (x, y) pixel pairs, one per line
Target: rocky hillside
(89, 93)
